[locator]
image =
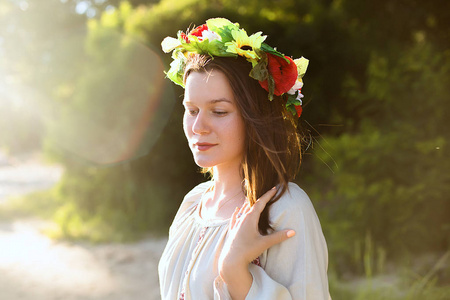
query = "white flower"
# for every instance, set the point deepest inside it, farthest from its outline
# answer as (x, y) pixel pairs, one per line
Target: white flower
(299, 98)
(210, 35)
(298, 85)
(169, 43)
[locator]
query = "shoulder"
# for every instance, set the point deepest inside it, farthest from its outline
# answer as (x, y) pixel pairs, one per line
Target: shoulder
(194, 194)
(294, 206)
(294, 210)
(294, 198)
(189, 204)
(192, 198)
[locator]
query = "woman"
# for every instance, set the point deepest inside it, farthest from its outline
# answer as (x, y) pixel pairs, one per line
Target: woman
(249, 233)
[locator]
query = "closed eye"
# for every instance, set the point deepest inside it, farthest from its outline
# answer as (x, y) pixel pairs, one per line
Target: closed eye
(220, 113)
(192, 112)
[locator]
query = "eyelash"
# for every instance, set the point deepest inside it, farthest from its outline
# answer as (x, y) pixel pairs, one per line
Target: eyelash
(220, 113)
(192, 112)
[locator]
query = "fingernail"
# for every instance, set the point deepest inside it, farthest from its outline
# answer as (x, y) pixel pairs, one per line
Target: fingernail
(290, 233)
(274, 188)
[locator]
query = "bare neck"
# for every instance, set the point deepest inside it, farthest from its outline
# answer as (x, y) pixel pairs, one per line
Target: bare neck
(226, 196)
(227, 182)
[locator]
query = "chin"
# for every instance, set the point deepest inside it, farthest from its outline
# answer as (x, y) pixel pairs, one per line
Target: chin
(203, 164)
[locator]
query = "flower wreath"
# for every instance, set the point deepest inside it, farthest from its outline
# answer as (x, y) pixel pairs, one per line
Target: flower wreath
(277, 74)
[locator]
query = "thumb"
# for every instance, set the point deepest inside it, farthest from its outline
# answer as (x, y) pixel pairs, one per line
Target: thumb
(278, 237)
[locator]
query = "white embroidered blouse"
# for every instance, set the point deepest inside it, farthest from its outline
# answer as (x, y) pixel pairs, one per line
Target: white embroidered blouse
(293, 269)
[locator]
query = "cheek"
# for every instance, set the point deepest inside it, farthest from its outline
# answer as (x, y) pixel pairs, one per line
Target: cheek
(236, 132)
(242, 136)
(186, 126)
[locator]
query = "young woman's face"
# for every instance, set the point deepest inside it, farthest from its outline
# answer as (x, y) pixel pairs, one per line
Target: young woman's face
(212, 122)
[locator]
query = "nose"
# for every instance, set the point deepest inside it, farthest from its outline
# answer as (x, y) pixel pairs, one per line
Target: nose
(201, 124)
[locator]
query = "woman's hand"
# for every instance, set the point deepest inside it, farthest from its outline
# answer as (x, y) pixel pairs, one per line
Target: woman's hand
(244, 244)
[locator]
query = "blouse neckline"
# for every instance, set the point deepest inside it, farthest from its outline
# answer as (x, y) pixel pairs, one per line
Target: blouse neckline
(208, 222)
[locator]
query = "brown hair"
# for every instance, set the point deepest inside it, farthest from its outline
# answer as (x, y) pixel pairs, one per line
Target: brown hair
(273, 145)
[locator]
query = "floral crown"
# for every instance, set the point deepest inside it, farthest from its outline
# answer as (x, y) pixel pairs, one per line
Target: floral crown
(277, 74)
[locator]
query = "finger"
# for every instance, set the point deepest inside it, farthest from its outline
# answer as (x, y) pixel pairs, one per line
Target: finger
(239, 213)
(261, 202)
(278, 237)
(234, 217)
(244, 207)
(247, 207)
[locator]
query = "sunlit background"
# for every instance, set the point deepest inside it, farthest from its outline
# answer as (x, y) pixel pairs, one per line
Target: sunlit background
(93, 162)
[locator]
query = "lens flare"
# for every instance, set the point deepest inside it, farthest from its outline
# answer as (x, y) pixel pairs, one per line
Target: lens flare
(99, 94)
(119, 110)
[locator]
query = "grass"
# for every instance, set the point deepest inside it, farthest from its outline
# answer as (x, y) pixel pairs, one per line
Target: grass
(36, 204)
(407, 284)
(68, 223)
(432, 291)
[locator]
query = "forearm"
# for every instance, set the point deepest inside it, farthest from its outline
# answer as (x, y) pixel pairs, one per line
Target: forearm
(238, 280)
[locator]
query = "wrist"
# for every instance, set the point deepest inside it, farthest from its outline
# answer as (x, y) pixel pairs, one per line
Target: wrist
(231, 270)
(238, 280)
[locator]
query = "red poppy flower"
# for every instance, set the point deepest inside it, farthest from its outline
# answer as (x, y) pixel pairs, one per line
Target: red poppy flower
(184, 36)
(198, 32)
(284, 73)
(299, 110)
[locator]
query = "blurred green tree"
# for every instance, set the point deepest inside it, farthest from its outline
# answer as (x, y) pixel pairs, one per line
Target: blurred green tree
(376, 91)
(389, 160)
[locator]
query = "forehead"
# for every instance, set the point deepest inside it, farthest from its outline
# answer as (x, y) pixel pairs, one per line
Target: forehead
(207, 86)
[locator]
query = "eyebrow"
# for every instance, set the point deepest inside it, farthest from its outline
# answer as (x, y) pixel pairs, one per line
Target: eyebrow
(213, 101)
(220, 100)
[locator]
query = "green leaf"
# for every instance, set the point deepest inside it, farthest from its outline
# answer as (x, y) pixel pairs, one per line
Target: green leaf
(177, 66)
(217, 23)
(259, 71)
(292, 99)
(268, 49)
(291, 109)
(223, 28)
(196, 46)
(218, 48)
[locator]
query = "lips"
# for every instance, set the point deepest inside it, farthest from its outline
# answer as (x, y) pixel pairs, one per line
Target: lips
(204, 146)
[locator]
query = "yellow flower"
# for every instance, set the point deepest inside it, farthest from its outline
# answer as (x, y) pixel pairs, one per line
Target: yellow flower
(244, 45)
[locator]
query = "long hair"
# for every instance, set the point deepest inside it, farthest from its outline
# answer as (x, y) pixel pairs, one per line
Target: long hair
(272, 153)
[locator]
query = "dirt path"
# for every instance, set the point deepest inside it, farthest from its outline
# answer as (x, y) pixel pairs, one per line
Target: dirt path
(33, 267)
(21, 175)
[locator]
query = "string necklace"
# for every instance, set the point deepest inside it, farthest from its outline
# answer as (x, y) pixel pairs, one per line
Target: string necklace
(226, 201)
